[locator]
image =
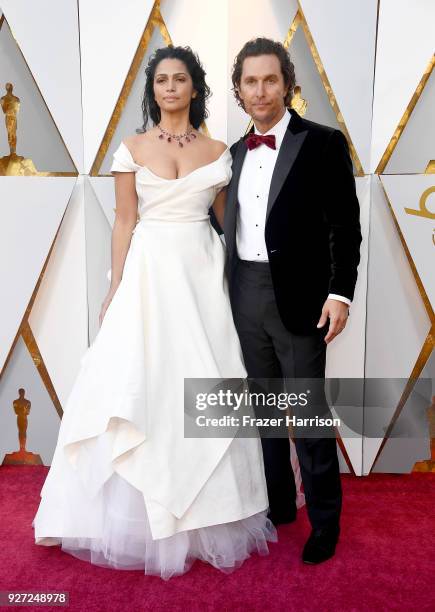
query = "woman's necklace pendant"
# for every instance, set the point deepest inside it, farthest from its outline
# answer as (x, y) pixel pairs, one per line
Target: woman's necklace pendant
(187, 136)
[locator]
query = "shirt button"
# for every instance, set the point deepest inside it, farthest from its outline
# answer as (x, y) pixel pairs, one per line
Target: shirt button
(258, 196)
(256, 225)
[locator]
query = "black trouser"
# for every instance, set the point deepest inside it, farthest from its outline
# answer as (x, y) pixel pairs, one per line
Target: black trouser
(271, 351)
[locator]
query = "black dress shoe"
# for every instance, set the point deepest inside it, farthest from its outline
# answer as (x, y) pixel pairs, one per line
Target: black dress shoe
(320, 546)
(282, 518)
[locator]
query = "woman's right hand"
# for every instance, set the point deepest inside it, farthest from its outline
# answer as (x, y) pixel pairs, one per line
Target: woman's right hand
(105, 304)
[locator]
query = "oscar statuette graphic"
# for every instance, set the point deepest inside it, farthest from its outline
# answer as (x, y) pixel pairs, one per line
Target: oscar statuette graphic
(22, 456)
(13, 164)
(429, 464)
(298, 103)
(430, 168)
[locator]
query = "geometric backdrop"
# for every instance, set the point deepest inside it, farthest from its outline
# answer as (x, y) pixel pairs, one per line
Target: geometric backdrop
(77, 75)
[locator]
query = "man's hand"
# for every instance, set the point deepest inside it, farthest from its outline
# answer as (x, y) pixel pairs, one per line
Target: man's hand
(337, 312)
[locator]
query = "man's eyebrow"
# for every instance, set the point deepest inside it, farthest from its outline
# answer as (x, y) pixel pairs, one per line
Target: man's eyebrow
(256, 76)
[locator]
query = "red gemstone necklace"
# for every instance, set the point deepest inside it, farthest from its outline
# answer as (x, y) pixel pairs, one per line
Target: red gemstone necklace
(187, 136)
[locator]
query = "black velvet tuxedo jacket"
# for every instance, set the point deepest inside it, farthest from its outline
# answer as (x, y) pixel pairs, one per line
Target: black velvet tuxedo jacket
(312, 231)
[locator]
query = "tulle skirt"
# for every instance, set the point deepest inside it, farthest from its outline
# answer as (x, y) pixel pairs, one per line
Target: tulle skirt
(126, 541)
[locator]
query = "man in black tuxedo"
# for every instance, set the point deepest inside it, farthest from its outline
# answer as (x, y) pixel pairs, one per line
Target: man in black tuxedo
(293, 235)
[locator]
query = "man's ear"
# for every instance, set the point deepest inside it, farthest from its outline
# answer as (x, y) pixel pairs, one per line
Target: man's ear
(287, 91)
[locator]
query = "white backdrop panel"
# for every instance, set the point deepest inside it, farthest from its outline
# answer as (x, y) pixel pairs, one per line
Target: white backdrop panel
(31, 210)
(405, 45)
(131, 117)
(204, 27)
(409, 440)
(110, 32)
(319, 108)
(104, 188)
(397, 323)
(59, 317)
(416, 145)
(98, 257)
(348, 61)
(346, 354)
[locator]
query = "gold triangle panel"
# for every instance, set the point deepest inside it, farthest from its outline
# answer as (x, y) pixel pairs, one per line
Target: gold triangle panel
(17, 165)
(155, 21)
(300, 21)
(405, 117)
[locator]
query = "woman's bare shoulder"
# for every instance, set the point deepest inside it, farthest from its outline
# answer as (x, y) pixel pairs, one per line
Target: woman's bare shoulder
(216, 146)
(220, 146)
(135, 142)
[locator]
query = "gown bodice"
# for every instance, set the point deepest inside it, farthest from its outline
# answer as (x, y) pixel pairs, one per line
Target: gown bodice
(184, 199)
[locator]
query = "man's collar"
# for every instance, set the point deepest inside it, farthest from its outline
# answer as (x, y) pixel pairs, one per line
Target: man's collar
(278, 130)
(294, 123)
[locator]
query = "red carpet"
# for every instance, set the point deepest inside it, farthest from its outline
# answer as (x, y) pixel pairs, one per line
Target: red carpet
(384, 560)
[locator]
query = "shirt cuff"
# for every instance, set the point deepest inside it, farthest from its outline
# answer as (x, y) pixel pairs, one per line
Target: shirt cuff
(340, 298)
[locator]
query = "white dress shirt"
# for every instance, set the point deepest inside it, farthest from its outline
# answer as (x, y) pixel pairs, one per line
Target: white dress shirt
(253, 193)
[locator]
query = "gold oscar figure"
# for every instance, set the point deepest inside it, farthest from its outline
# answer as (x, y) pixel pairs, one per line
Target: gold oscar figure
(23, 456)
(298, 103)
(13, 164)
(429, 464)
(430, 168)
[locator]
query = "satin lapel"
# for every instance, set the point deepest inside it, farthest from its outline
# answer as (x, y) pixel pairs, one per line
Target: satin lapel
(232, 201)
(287, 155)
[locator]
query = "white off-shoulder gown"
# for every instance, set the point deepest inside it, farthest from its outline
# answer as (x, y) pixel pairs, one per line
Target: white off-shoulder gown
(126, 489)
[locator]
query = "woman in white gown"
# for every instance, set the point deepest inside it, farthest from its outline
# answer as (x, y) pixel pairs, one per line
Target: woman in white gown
(126, 489)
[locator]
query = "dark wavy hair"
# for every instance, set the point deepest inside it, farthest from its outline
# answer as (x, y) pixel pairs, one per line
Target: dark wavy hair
(264, 46)
(198, 106)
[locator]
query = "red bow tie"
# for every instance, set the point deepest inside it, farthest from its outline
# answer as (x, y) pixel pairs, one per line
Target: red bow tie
(255, 140)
